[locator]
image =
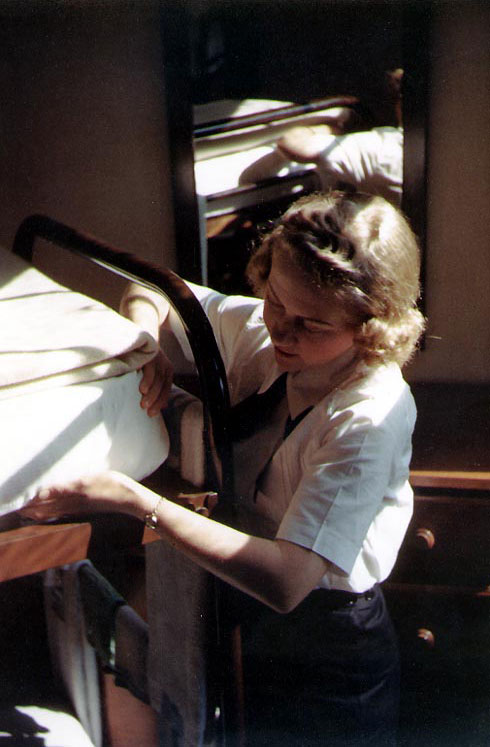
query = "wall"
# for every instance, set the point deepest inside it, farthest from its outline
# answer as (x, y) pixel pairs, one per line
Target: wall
(82, 138)
(82, 123)
(458, 243)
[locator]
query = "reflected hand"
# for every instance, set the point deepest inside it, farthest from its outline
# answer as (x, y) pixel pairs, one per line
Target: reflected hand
(156, 383)
(101, 493)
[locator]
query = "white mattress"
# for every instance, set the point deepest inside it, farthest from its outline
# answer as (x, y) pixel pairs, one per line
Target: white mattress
(63, 433)
(49, 727)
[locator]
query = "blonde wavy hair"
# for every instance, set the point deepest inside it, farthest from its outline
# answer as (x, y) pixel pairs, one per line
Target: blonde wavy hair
(361, 247)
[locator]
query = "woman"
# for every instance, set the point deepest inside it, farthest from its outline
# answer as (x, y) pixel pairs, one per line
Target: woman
(324, 507)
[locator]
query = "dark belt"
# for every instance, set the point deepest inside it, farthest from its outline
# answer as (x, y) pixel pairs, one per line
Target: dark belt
(336, 599)
(241, 608)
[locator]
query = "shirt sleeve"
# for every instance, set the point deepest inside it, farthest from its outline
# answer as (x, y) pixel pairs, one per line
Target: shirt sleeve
(349, 477)
(372, 161)
(240, 334)
(350, 158)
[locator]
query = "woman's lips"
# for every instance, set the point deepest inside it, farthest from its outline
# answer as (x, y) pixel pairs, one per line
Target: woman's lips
(285, 353)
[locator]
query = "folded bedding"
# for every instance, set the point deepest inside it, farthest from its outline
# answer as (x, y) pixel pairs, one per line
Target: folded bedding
(69, 399)
(51, 336)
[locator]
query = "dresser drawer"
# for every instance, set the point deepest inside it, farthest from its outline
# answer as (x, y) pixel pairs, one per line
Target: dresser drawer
(447, 542)
(445, 629)
(445, 665)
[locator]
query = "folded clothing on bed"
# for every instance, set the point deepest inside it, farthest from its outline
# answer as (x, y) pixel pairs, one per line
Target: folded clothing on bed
(51, 336)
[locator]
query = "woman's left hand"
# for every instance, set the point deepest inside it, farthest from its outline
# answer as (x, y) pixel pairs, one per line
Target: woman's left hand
(156, 383)
(101, 493)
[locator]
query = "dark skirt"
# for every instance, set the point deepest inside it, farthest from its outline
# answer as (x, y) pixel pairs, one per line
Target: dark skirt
(326, 673)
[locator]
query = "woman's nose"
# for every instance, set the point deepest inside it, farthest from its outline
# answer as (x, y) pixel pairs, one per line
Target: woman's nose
(282, 328)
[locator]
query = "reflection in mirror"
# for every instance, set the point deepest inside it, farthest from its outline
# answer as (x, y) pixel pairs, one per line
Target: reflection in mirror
(255, 140)
(289, 99)
(292, 97)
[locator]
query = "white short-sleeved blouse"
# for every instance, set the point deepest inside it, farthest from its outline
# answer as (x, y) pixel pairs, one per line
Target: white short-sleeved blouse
(372, 161)
(338, 485)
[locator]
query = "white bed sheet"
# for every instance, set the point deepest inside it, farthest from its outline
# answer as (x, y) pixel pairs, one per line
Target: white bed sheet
(64, 433)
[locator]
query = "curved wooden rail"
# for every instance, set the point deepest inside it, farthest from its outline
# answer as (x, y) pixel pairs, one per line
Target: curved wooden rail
(212, 375)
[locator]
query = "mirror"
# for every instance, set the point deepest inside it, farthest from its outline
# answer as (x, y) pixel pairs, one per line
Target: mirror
(257, 69)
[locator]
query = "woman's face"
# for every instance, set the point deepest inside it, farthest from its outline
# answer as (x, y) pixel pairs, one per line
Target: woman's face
(307, 325)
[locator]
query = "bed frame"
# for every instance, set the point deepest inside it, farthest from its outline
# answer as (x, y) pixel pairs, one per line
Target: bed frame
(35, 548)
(30, 549)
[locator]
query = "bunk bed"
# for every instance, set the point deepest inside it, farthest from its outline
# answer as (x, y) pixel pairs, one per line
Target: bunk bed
(98, 424)
(240, 179)
(232, 137)
(86, 546)
(72, 543)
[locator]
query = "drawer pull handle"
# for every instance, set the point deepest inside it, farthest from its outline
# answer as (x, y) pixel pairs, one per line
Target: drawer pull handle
(427, 636)
(427, 536)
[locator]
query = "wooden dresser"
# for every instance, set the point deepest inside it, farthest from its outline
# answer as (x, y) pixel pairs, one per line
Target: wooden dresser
(439, 591)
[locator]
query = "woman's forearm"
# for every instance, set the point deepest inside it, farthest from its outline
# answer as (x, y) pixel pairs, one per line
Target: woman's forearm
(145, 308)
(278, 573)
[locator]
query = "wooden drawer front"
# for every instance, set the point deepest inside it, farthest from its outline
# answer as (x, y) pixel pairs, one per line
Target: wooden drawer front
(445, 666)
(447, 542)
(442, 629)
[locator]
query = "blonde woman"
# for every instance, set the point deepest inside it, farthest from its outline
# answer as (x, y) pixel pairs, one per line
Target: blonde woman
(322, 491)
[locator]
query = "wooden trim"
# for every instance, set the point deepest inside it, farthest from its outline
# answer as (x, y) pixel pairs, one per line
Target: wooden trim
(458, 480)
(38, 547)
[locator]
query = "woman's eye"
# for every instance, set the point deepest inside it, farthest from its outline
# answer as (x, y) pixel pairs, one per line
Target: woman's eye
(313, 329)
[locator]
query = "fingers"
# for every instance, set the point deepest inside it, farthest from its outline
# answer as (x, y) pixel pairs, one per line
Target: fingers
(105, 492)
(155, 384)
(92, 494)
(47, 505)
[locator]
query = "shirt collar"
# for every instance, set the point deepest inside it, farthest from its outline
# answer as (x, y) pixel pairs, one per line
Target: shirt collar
(273, 373)
(306, 388)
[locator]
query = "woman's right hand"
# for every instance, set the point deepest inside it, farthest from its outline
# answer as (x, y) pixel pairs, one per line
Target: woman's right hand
(155, 384)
